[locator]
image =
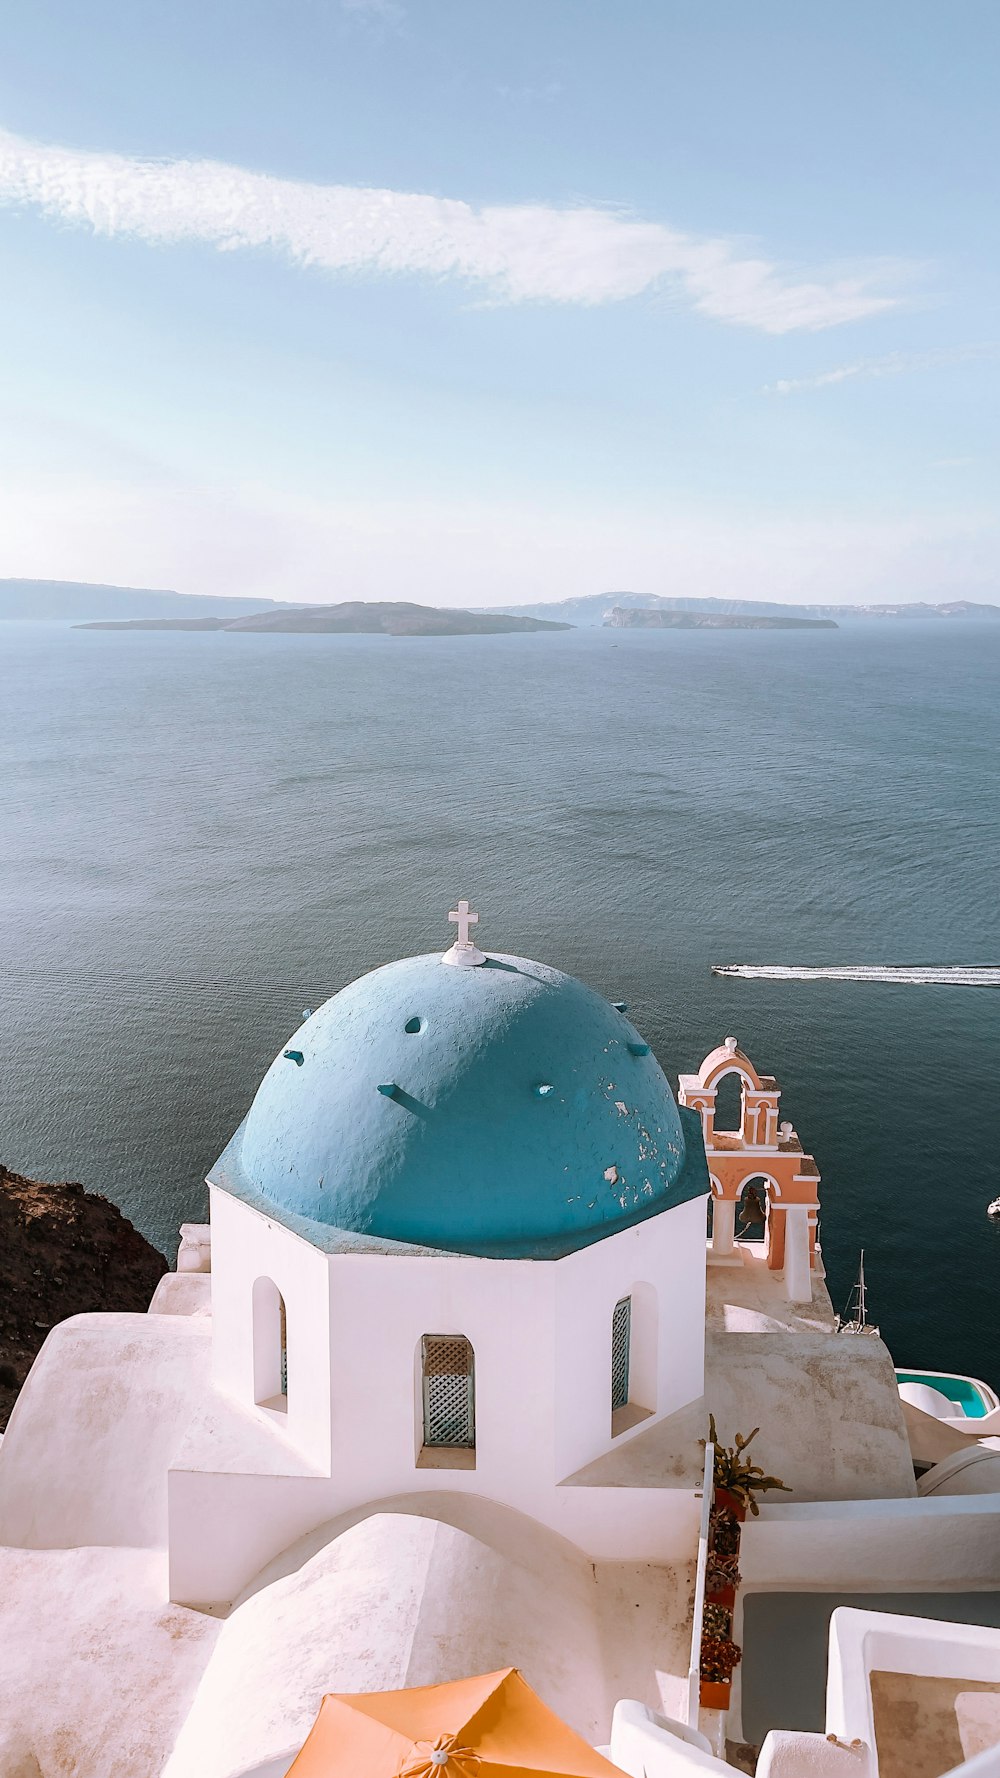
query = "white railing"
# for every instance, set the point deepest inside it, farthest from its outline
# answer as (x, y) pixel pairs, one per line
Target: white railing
(694, 1668)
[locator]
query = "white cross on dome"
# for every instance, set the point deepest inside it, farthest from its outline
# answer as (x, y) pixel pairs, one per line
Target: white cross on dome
(464, 953)
(463, 919)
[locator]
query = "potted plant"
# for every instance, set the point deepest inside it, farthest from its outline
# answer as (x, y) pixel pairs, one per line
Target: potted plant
(717, 1619)
(735, 1484)
(736, 1481)
(722, 1577)
(724, 1532)
(719, 1659)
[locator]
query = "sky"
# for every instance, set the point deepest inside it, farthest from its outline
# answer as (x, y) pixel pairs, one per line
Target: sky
(479, 304)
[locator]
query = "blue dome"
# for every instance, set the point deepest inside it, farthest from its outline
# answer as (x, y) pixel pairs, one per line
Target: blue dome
(505, 1110)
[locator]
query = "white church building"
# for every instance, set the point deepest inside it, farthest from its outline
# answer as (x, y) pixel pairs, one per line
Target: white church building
(425, 1397)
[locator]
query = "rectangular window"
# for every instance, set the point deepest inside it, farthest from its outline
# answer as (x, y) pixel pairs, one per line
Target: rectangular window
(449, 1391)
(621, 1340)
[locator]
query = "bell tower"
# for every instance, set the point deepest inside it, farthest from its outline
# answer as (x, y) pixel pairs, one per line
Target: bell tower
(764, 1150)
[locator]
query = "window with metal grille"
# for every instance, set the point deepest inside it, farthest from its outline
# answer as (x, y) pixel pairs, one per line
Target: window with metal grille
(449, 1384)
(621, 1340)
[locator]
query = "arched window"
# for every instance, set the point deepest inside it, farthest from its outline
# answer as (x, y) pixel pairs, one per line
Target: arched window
(753, 1209)
(621, 1352)
(283, 1345)
(634, 1356)
(729, 1103)
(270, 1346)
(448, 1385)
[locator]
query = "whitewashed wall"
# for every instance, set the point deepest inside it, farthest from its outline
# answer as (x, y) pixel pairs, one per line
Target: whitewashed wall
(541, 1334)
(948, 1544)
(245, 1247)
(667, 1253)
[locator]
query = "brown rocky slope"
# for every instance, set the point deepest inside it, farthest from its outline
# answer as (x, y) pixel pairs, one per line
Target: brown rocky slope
(63, 1251)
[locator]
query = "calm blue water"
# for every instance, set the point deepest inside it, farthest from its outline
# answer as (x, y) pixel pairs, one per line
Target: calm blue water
(201, 835)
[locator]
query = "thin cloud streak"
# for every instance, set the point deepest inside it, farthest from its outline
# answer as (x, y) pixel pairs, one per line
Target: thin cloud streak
(516, 252)
(375, 12)
(893, 365)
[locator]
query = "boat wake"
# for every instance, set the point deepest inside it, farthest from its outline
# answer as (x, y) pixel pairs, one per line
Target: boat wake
(920, 975)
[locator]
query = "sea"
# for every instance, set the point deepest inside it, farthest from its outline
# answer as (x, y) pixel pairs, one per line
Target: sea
(203, 834)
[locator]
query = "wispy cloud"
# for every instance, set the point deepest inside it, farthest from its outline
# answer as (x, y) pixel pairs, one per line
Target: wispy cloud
(539, 93)
(893, 365)
(514, 252)
(375, 12)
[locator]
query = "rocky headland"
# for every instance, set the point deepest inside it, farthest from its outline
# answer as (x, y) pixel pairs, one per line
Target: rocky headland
(63, 1251)
(639, 618)
(590, 610)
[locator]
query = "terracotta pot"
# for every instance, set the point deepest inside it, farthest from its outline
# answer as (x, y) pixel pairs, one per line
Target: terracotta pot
(713, 1694)
(731, 1503)
(725, 1533)
(726, 1597)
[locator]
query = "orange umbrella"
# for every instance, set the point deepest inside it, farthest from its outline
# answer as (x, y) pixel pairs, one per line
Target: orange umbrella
(493, 1726)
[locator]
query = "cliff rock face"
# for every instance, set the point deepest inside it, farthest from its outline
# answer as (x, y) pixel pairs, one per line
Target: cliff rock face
(639, 618)
(63, 1251)
(68, 601)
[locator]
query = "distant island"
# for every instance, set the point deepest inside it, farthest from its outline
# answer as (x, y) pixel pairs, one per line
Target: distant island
(72, 601)
(83, 603)
(639, 618)
(355, 617)
(591, 610)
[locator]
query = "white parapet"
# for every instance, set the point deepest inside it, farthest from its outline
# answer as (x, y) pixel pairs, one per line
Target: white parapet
(698, 1611)
(795, 1753)
(195, 1251)
(646, 1745)
(863, 1643)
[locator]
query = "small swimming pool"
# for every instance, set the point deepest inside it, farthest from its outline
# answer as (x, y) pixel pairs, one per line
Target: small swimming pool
(970, 1398)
